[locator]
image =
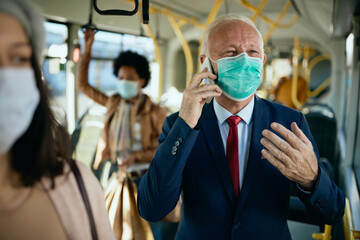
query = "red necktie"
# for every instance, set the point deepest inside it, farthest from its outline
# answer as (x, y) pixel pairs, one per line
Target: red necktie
(232, 151)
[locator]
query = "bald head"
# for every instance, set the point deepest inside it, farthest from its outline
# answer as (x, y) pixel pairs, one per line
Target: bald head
(224, 20)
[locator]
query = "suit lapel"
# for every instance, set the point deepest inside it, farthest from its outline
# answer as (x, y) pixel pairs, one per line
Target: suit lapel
(260, 122)
(208, 122)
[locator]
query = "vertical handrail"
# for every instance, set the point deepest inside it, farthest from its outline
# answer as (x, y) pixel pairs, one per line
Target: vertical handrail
(158, 56)
(212, 15)
(349, 232)
(186, 49)
(296, 54)
(326, 235)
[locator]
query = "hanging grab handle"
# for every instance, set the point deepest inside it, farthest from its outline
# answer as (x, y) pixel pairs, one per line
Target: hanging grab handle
(116, 11)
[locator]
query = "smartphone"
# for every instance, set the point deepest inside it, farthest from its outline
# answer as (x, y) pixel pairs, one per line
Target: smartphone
(206, 64)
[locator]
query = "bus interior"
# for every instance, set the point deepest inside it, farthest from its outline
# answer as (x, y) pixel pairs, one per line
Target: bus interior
(313, 63)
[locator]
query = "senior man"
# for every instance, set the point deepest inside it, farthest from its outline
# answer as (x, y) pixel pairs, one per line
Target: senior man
(233, 160)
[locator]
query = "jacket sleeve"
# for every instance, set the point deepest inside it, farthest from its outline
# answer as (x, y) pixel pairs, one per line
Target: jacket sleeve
(82, 84)
(160, 187)
(327, 202)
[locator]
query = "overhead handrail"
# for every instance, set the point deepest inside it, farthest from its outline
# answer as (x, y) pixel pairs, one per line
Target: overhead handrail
(273, 24)
(258, 10)
(90, 24)
(266, 19)
(277, 21)
(167, 12)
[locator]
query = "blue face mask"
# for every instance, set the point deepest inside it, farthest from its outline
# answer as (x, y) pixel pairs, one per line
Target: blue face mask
(239, 76)
(127, 89)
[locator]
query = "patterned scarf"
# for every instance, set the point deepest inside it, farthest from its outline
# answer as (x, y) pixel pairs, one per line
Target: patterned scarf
(120, 129)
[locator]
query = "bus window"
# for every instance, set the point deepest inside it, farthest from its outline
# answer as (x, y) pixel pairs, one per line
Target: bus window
(180, 63)
(106, 47)
(54, 66)
(348, 71)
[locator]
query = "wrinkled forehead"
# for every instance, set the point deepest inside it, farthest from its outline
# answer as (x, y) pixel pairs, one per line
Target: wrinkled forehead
(233, 31)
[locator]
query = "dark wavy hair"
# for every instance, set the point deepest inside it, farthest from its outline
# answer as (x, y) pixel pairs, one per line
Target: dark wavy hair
(140, 63)
(45, 147)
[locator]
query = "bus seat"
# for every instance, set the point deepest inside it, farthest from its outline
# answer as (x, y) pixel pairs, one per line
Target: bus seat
(298, 212)
(329, 168)
(322, 122)
(86, 135)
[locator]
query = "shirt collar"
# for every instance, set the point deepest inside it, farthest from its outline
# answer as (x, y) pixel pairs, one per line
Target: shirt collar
(222, 114)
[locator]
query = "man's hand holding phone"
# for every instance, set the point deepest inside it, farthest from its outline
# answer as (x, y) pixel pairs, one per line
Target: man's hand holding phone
(196, 94)
(206, 65)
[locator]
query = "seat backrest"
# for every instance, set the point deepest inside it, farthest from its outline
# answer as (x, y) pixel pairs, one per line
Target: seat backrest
(322, 122)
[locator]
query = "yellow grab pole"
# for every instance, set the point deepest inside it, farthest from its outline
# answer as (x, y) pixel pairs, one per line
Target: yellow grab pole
(347, 220)
(326, 235)
(259, 10)
(320, 88)
(290, 24)
(356, 234)
(323, 85)
(214, 11)
(166, 12)
(186, 49)
(296, 54)
(318, 59)
(277, 21)
(158, 57)
(212, 15)
(266, 19)
(305, 63)
(349, 232)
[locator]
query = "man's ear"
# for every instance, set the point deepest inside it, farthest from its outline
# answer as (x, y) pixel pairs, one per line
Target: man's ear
(264, 60)
(202, 58)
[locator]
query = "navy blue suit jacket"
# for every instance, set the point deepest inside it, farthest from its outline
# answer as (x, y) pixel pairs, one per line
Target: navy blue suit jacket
(192, 162)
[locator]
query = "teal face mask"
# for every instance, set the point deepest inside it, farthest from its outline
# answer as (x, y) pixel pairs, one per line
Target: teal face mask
(239, 76)
(127, 89)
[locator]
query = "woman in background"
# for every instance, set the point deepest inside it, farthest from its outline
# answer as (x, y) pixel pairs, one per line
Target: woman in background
(132, 127)
(132, 122)
(39, 195)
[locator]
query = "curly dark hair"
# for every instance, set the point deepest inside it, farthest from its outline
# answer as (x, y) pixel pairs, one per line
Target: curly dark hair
(140, 63)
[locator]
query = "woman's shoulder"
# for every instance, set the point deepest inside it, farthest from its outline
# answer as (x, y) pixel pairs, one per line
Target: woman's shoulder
(68, 180)
(67, 198)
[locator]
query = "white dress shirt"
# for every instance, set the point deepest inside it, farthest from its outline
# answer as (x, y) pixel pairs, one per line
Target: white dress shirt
(244, 132)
